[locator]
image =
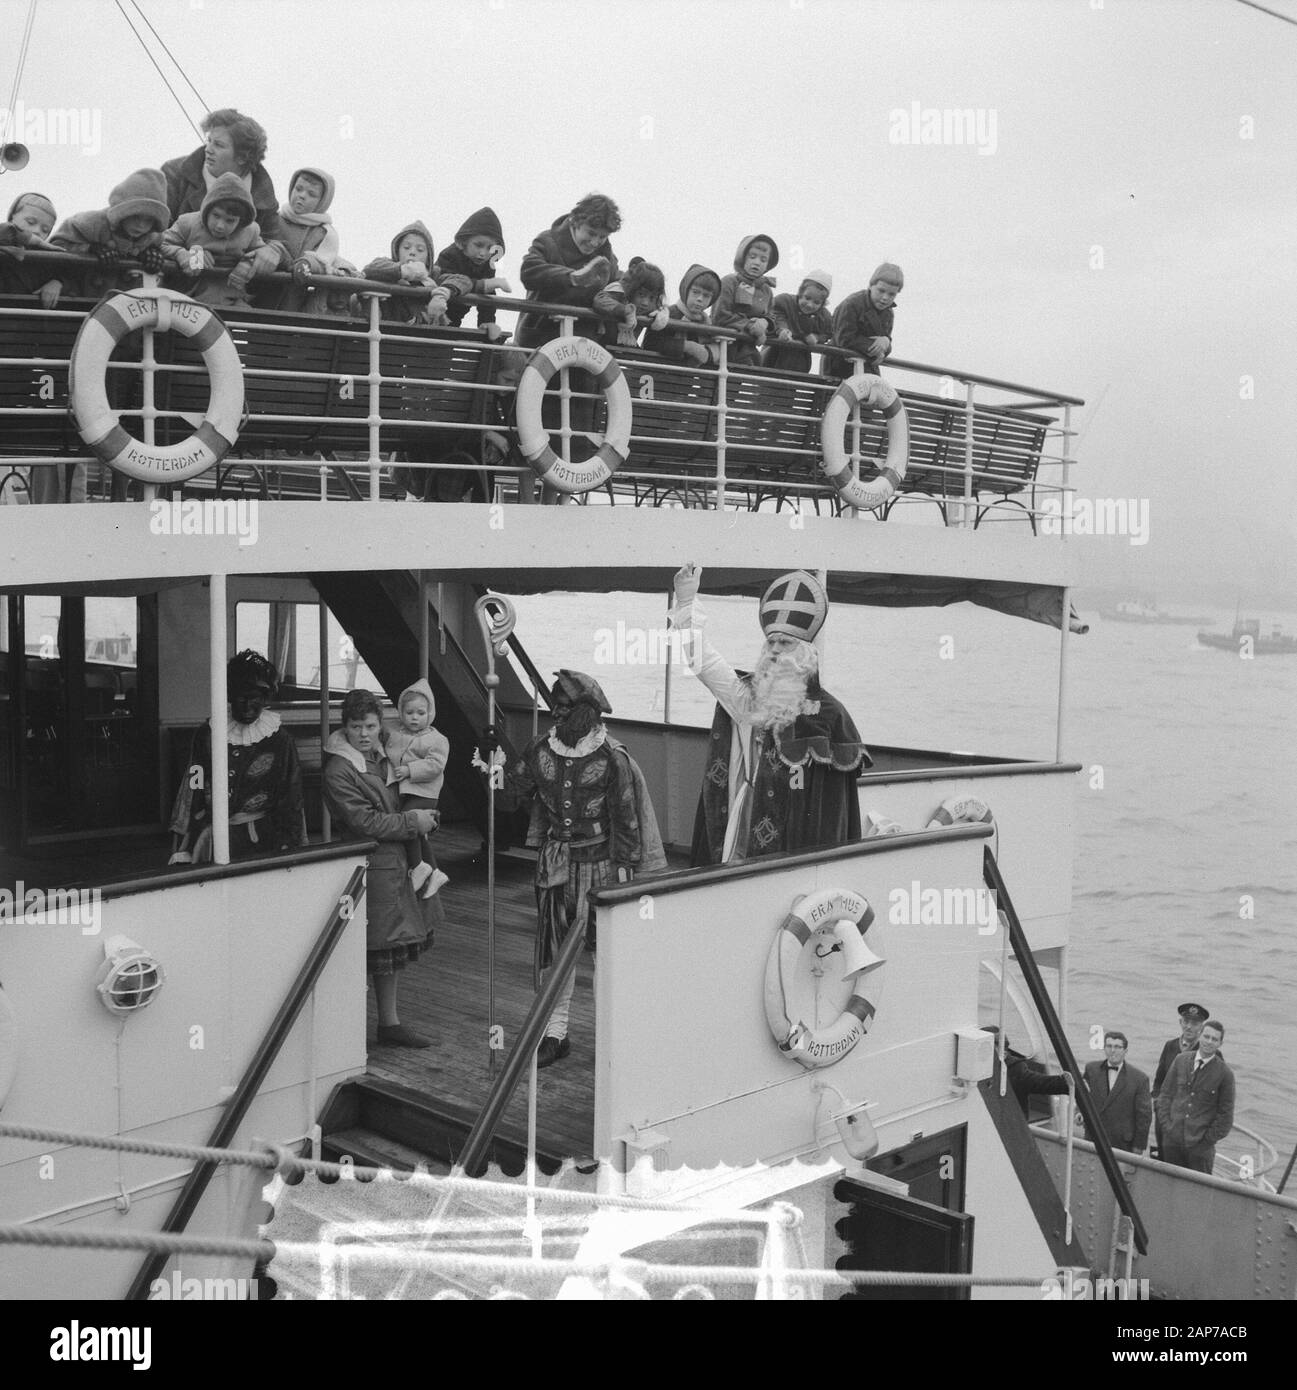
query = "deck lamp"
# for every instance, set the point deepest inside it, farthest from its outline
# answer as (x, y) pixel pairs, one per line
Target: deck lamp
(130, 977)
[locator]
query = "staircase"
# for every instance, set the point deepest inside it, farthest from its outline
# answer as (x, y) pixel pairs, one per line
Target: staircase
(380, 612)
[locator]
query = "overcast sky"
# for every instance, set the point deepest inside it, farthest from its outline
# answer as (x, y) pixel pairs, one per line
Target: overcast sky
(1122, 228)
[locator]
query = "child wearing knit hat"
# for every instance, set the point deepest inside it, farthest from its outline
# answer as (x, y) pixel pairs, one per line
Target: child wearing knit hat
(862, 323)
(129, 228)
(222, 235)
(30, 221)
(801, 318)
(467, 266)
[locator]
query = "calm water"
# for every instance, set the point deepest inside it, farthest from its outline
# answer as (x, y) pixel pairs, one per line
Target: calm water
(1198, 765)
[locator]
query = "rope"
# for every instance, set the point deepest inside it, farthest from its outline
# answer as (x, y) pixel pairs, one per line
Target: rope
(168, 52)
(245, 1157)
(22, 58)
(455, 1261)
(160, 73)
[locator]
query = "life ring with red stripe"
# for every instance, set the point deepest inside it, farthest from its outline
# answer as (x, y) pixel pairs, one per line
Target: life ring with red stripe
(118, 316)
(961, 810)
(8, 1046)
(817, 929)
(533, 439)
(866, 390)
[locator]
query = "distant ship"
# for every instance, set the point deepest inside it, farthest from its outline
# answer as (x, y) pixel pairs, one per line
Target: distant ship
(1279, 643)
(1139, 611)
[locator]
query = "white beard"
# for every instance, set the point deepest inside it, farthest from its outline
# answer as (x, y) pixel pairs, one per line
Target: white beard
(779, 687)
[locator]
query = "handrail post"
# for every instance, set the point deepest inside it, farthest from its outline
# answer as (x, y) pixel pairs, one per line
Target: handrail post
(965, 509)
(722, 403)
(326, 821)
(217, 698)
(1065, 624)
(149, 367)
(566, 329)
(374, 421)
(857, 368)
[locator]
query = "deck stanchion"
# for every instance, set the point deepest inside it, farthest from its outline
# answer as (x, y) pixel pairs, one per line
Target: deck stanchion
(149, 366)
(722, 399)
(1064, 625)
(375, 336)
(326, 823)
(218, 698)
(966, 506)
(496, 616)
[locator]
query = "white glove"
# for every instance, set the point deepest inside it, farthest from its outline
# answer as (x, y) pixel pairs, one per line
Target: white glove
(686, 583)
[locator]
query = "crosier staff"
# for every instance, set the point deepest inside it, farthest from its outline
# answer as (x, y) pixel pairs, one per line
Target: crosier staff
(497, 617)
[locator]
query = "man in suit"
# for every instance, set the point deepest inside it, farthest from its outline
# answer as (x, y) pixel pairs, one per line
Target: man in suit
(1192, 1017)
(1196, 1104)
(1121, 1093)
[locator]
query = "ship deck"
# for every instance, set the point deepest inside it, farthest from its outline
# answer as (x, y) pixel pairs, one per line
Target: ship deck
(444, 997)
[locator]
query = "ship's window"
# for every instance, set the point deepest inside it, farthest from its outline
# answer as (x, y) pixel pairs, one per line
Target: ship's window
(289, 635)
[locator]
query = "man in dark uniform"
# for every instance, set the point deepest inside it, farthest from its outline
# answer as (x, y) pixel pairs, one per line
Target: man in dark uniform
(1192, 1017)
(1196, 1107)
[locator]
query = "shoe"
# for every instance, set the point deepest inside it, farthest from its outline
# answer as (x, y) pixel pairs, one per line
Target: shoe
(434, 883)
(419, 875)
(552, 1050)
(398, 1035)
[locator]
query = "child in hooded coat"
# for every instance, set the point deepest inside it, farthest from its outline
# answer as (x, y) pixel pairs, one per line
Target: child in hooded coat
(747, 297)
(416, 759)
(640, 290)
(29, 224)
(411, 263)
(699, 288)
(129, 228)
(310, 242)
(222, 235)
(801, 318)
(467, 266)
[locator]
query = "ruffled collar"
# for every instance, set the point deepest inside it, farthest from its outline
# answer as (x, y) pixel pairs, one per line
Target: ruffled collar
(245, 735)
(583, 747)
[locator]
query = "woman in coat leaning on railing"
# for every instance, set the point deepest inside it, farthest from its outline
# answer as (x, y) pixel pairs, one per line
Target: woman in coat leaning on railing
(399, 925)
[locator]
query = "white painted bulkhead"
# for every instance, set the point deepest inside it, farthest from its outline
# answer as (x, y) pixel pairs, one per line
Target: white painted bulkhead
(230, 948)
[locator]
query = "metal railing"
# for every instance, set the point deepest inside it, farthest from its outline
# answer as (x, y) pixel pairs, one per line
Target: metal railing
(367, 393)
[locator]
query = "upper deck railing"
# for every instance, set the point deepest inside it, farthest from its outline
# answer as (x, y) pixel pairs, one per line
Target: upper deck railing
(335, 406)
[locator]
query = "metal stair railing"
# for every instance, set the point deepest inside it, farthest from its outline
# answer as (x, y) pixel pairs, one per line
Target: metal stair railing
(479, 1139)
(1062, 1048)
(258, 1068)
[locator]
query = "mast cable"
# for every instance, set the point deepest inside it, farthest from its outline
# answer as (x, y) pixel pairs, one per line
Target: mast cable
(160, 73)
(22, 60)
(172, 56)
(1251, 4)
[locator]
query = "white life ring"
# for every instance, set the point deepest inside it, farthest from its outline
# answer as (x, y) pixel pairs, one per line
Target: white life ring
(865, 389)
(533, 440)
(965, 810)
(8, 1046)
(845, 917)
(115, 318)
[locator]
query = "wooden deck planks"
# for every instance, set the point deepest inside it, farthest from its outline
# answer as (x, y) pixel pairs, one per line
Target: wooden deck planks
(444, 996)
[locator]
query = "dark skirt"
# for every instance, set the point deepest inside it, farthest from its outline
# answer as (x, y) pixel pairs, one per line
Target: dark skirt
(391, 959)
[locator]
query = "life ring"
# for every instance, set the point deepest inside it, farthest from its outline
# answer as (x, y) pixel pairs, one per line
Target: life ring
(844, 917)
(116, 317)
(865, 389)
(8, 1046)
(533, 439)
(966, 810)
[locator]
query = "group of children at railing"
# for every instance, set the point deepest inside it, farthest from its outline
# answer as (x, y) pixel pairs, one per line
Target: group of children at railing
(214, 211)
